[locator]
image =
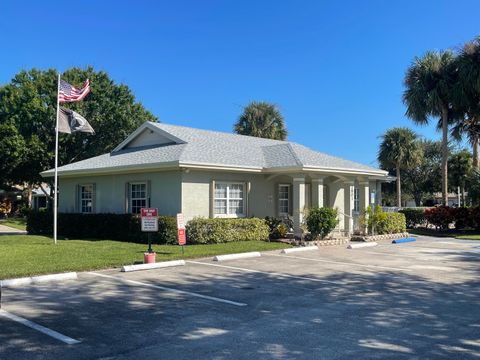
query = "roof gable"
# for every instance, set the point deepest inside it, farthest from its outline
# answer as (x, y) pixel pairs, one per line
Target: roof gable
(148, 135)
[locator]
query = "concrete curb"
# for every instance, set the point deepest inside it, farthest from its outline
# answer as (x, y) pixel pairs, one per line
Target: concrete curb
(237, 256)
(38, 279)
(159, 265)
(362, 245)
(298, 249)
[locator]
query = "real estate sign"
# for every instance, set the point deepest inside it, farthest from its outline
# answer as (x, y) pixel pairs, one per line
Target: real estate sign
(182, 239)
(149, 219)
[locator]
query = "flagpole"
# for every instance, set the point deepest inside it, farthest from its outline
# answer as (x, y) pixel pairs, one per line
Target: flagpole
(55, 199)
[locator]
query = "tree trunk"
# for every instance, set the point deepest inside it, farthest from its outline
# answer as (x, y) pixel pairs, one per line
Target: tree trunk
(463, 195)
(29, 194)
(445, 155)
(399, 187)
(418, 198)
(475, 153)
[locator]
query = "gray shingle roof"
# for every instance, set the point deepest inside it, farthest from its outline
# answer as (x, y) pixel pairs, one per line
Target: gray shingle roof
(217, 149)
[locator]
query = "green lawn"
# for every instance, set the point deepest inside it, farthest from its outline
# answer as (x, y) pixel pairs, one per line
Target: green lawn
(17, 223)
(468, 237)
(464, 235)
(25, 255)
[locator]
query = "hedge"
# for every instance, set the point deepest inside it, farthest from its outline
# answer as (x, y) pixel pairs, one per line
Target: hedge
(122, 227)
(414, 217)
(384, 222)
(391, 223)
(212, 231)
(441, 217)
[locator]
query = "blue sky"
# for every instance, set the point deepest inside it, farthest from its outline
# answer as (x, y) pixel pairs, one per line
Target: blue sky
(335, 68)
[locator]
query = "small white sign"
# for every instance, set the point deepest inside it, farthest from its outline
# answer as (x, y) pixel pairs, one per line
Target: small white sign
(180, 221)
(372, 198)
(149, 219)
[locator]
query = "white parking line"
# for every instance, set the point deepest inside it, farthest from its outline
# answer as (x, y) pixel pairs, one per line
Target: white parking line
(267, 272)
(342, 263)
(40, 328)
(138, 283)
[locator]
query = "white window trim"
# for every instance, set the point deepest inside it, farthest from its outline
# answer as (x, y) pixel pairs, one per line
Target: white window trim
(283, 214)
(81, 199)
(131, 194)
(228, 215)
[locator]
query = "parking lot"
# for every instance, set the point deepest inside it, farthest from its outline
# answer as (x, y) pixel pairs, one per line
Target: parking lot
(409, 301)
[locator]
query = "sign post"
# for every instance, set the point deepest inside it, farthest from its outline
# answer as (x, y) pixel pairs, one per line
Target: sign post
(149, 220)
(182, 239)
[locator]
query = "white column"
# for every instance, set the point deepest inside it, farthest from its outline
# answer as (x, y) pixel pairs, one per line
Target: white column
(298, 203)
(364, 199)
(317, 192)
(348, 209)
(378, 194)
(364, 195)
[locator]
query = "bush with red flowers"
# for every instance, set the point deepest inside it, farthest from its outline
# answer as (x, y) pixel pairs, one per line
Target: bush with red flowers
(441, 217)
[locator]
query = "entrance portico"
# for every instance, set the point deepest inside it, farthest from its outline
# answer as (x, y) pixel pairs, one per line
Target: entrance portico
(350, 195)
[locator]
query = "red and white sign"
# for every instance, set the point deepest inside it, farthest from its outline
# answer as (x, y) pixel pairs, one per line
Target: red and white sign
(182, 239)
(149, 219)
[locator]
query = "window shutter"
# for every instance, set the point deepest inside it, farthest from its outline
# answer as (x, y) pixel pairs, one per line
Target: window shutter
(212, 199)
(77, 199)
(94, 198)
(276, 195)
(247, 198)
(290, 200)
(149, 193)
(127, 197)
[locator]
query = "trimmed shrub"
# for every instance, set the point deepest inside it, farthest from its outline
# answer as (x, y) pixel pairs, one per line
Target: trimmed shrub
(414, 217)
(214, 231)
(384, 222)
(441, 217)
(391, 223)
(121, 227)
(321, 221)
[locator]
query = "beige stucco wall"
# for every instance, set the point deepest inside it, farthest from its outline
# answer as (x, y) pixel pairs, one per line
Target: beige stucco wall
(190, 192)
(110, 191)
(196, 192)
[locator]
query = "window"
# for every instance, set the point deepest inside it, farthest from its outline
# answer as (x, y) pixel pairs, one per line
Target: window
(229, 200)
(138, 197)
(283, 199)
(86, 199)
(356, 200)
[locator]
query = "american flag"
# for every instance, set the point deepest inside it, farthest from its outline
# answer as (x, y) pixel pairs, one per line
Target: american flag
(69, 93)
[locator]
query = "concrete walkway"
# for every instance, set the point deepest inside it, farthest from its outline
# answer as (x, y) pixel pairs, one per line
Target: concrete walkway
(7, 230)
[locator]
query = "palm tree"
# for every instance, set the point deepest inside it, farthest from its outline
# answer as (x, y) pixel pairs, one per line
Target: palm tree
(467, 98)
(261, 119)
(429, 91)
(469, 127)
(399, 148)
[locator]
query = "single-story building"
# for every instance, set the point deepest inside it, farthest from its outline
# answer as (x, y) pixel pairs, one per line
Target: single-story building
(204, 173)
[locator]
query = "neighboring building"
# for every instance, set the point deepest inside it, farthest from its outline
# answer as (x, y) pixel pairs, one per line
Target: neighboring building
(213, 174)
(39, 199)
